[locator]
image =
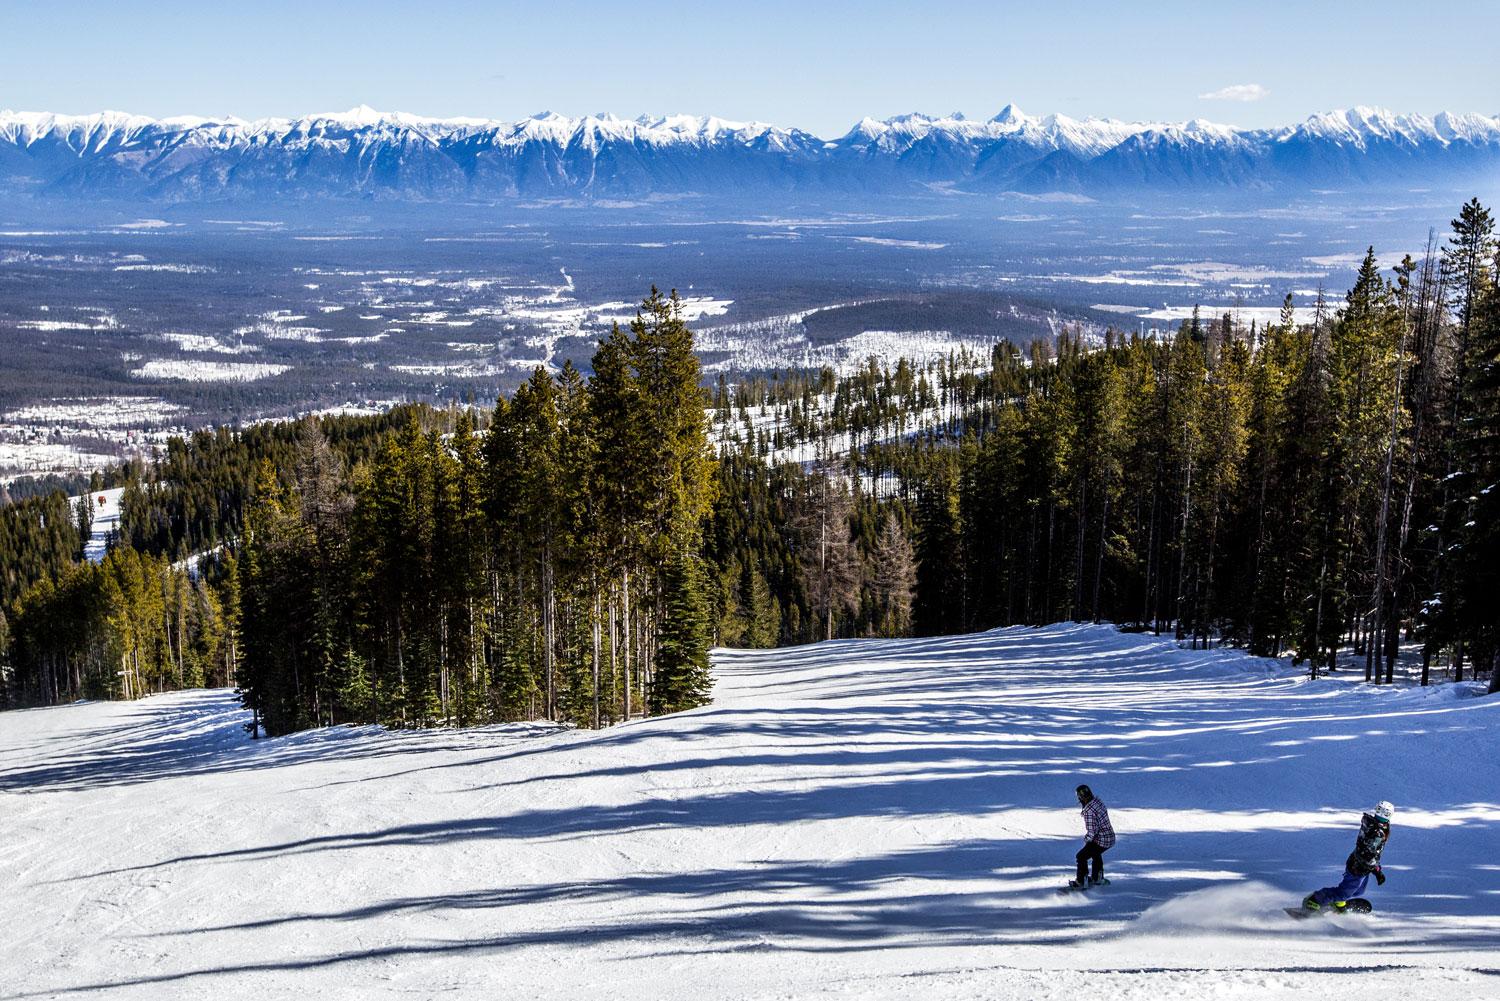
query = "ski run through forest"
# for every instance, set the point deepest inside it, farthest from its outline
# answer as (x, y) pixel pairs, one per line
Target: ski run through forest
(781, 688)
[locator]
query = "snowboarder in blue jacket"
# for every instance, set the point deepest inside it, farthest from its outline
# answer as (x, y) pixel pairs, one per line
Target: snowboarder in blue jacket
(1362, 863)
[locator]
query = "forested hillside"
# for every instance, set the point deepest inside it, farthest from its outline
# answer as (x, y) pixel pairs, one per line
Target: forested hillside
(409, 569)
(1287, 489)
(572, 554)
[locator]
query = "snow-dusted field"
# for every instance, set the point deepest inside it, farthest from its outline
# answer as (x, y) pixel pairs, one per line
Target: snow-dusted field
(207, 371)
(781, 341)
(859, 819)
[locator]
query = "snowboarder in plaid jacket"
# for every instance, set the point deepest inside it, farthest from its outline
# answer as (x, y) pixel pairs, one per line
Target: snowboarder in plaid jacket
(1362, 863)
(1099, 837)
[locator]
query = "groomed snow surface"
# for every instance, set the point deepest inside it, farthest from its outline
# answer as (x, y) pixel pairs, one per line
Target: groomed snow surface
(856, 819)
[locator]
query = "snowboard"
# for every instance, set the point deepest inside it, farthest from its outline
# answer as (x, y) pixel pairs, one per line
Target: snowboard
(1357, 905)
(1074, 888)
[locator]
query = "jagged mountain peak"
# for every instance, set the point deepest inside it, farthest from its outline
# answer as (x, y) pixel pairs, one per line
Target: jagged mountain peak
(1362, 124)
(361, 115)
(341, 154)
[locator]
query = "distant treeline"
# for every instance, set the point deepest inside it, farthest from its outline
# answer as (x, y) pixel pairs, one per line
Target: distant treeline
(149, 619)
(572, 554)
(23, 487)
(40, 537)
(125, 627)
(198, 493)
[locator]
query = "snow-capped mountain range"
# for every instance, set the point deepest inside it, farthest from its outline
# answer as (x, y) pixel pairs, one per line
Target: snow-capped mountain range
(363, 153)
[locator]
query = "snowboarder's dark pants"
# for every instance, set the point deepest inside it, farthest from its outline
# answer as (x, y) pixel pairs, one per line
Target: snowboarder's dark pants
(1090, 850)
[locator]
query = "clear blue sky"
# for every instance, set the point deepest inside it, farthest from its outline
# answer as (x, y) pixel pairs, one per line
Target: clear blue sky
(820, 66)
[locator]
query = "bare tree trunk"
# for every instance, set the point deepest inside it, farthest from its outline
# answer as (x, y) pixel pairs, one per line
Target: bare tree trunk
(1083, 503)
(1208, 587)
(401, 666)
(443, 702)
(646, 631)
(1046, 615)
(1260, 545)
(595, 634)
(614, 645)
(549, 617)
(181, 627)
(1030, 565)
(1318, 620)
(1187, 516)
(1146, 615)
(625, 639)
(1099, 561)
(823, 581)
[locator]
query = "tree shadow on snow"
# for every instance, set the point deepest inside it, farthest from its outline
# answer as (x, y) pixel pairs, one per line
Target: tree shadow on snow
(968, 894)
(165, 738)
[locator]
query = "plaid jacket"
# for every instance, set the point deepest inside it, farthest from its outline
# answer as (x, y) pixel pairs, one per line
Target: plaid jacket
(1096, 820)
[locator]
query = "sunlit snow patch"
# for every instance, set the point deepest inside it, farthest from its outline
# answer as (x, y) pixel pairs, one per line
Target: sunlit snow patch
(279, 326)
(206, 343)
(105, 322)
(99, 412)
(908, 244)
(182, 269)
(464, 370)
(207, 371)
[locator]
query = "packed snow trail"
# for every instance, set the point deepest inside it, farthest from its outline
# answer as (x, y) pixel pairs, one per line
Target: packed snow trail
(106, 519)
(849, 819)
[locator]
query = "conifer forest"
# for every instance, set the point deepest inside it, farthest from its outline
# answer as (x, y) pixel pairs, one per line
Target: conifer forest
(1323, 488)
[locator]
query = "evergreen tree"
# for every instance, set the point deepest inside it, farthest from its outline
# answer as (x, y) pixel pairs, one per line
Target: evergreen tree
(681, 679)
(939, 605)
(464, 545)
(1471, 560)
(762, 617)
(273, 668)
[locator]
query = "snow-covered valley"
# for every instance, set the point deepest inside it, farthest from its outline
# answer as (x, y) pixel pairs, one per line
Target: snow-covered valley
(852, 819)
(121, 329)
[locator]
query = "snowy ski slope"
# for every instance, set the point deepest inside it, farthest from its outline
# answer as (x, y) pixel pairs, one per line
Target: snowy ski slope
(856, 819)
(106, 519)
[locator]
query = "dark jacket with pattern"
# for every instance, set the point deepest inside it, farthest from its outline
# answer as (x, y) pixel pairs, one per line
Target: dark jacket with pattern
(1373, 835)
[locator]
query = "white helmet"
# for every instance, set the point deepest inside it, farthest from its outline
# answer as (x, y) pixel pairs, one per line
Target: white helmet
(1383, 810)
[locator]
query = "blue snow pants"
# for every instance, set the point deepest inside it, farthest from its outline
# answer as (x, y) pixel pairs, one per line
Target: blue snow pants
(1349, 887)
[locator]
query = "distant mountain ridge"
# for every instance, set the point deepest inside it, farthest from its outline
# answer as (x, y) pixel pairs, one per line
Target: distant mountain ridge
(363, 153)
